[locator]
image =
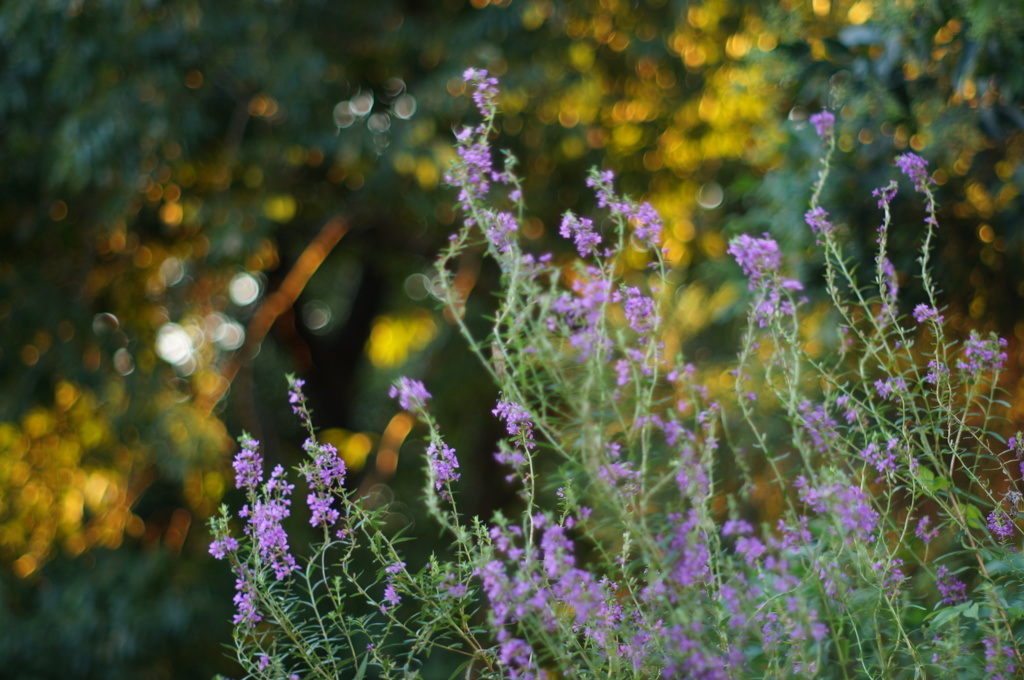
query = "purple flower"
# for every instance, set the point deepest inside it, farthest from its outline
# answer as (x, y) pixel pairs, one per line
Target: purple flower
(824, 124)
(391, 597)
(935, 372)
(892, 577)
(517, 421)
(982, 355)
(220, 548)
(581, 230)
(889, 290)
(817, 220)
(265, 524)
(245, 599)
(646, 224)
(847, 504)
(640, 311)
(485, 90)
(411, 394)
(601, 182)
(891, 388)
(924, 313)
(296, 397)
(444, 466)
(953, 591)
(759, 258)
(248, 464)
(998, 660)
(884, 462)
(1000, 525)
(885, 194)
(923, 531)
(916, 169)
(818, 425)
(501, 231)
(583, 312)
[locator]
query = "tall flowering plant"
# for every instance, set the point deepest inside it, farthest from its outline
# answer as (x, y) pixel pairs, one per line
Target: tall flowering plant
(830, 516)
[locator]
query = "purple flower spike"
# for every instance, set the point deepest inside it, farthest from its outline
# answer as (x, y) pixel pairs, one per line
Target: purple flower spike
(517, 420)
(411, 394)
(219, 549)
(485, 90)
(760, 258)
(953, 591)
(924, 313)
(445, 467)
(248, 463)
(916, 169)
(817, 220)
(824, 124)
(982, 355)
(581, 230)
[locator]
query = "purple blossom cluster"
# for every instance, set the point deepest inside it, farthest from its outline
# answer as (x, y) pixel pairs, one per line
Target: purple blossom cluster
(411, 394)
(924, 313)
(999, 659)
(548, 587)
(296, 397)
(817, 220)
(472, 174)
(501, 230)
(916, 170)
(581, 231)
(884, 461)
(848, 505)
(645, 220)
(951, 588)
(326, 479)
(220, 547)
(885, 195)
(265, 519)
(891, 388)
(247, 610)
(485, 90)
(925, 531)
(818, 425)
(893, 577)
(760, 260)
(982, 355)
(444, 467)
(1000, 524)
(391, 596)
(582, 313)
(824, 124)
(517, 421)
(641, 312)
(248, 464)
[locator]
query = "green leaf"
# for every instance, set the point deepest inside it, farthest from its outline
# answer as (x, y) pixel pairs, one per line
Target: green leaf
(975, 518)
(929, 481)
(361, 671)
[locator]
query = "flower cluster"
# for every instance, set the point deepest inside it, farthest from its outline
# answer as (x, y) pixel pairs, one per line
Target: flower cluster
(673, 546)
(982, 355)
(582, 231)
(760, 260)
(411, 394)
(444, 467)
(824, 124)
(326, 479)
(916, 170)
